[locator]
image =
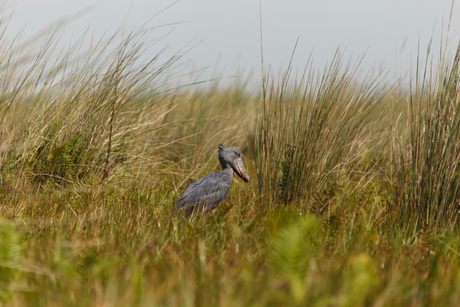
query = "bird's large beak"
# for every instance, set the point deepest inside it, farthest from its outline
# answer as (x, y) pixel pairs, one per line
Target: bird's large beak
(240, 171)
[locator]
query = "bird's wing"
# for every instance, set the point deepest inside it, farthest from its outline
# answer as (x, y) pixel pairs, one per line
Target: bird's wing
(208, 191)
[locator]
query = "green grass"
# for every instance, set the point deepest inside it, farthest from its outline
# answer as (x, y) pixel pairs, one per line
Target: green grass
(353, 199)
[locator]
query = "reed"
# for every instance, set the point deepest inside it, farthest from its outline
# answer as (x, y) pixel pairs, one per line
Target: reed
(426, 152)
(314, 130)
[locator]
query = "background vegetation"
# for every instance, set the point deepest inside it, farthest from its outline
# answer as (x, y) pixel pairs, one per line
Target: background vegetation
(354, 197)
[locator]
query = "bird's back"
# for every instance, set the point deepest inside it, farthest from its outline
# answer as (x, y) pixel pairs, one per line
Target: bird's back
(205, 193)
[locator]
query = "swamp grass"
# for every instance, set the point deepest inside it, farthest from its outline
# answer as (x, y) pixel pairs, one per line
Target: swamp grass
(353, 199)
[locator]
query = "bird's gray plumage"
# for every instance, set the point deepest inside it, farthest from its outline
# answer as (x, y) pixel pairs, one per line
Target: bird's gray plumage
(209, 191)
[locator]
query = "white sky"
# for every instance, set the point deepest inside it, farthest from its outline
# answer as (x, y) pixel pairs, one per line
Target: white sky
(230, 28)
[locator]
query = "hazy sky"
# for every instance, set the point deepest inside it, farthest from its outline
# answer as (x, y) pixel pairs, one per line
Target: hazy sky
(227, 33)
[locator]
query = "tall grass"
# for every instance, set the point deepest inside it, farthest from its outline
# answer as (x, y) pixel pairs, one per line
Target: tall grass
(313, 130)
(426, 151)
(65, 116)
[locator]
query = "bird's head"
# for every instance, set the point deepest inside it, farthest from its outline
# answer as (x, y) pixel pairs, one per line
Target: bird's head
(232, 157)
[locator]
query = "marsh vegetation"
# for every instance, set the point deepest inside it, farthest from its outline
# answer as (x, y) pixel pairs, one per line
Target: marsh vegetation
(353, 200)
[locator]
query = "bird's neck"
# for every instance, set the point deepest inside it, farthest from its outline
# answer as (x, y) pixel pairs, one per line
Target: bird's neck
(225, 164)
(228, 170)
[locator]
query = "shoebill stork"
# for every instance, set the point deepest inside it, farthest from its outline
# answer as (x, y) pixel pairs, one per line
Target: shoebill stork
(208, 192)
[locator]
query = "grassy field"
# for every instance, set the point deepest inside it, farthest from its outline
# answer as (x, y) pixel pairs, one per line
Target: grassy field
(354, 196)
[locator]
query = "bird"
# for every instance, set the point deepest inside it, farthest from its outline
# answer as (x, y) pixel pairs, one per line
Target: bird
(208, 192)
